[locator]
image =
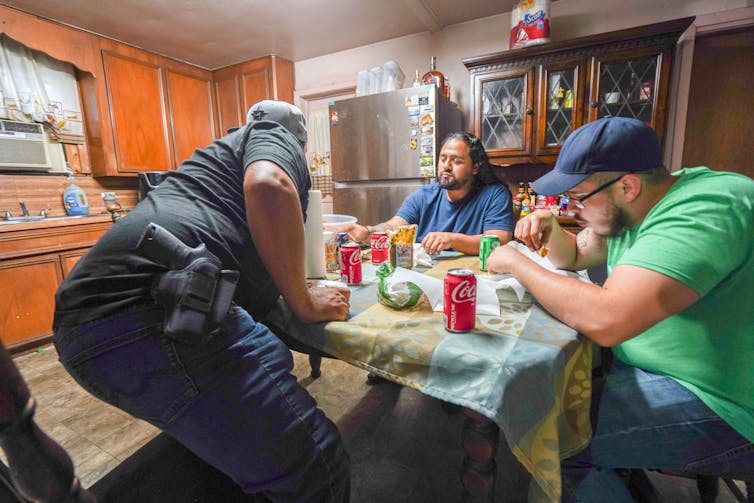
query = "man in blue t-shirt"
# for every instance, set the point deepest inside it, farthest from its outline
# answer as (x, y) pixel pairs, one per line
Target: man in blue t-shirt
(466, 201)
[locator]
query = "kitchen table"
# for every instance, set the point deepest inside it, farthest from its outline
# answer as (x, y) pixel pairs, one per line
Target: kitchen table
(523, 371)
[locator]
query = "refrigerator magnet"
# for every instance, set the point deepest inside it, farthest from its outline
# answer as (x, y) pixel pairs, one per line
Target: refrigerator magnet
(424, 100)
(412, 100)
(334, 118)
(412, 144)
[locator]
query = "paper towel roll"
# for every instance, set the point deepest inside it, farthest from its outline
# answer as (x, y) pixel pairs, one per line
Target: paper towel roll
(313, 236)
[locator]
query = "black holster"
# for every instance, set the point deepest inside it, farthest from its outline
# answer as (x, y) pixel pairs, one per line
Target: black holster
(195, 291)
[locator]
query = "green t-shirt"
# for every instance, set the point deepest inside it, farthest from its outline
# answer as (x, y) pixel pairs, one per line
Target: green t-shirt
(700, 233)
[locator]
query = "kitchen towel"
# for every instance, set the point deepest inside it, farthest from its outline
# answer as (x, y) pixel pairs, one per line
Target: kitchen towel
(314, 237)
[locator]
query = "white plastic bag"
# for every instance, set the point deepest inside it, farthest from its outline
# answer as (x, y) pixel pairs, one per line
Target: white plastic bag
(530, 23)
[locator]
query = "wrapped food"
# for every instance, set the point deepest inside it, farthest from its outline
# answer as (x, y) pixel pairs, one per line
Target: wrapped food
(530, 23)
(401, 242)
(396, 294)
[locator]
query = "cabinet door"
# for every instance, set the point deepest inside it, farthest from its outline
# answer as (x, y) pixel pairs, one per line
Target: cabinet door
(256, 86)
(29, 298)
(135, 92)
(228, 102)
(191, 114)
(561, 99)
(503, 113)
(70, 259)
(631, 84)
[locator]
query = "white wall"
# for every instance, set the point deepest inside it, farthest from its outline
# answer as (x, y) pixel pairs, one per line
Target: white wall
(569, 19)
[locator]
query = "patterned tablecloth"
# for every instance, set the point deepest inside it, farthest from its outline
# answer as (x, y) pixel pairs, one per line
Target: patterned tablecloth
(524, 369)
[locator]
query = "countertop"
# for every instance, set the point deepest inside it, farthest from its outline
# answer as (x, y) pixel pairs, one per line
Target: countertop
(54, 222)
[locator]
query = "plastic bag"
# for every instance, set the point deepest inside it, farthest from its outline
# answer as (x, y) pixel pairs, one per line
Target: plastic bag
(396, 294)
(530, 23)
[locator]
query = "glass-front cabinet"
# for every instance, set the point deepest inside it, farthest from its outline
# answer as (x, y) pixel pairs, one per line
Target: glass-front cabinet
(505, 115)
(526, 102)
(561, 103)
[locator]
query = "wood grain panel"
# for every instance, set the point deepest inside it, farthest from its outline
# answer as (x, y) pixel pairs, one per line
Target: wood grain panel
(47, 237)
(256, 86)
(70, 259)
(719, 127)
(191, 114)
(135, 92)
(228, 103)
(28, 297)
(284, 79)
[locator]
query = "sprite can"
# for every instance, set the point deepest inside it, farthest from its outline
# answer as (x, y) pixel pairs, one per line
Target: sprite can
(488, 243)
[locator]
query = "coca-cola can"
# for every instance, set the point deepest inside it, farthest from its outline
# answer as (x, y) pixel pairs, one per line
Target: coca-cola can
(350, 263)
(380, 247)
(459, 308)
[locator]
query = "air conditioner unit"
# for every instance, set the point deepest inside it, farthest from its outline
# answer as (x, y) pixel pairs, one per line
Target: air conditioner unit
(26, 146)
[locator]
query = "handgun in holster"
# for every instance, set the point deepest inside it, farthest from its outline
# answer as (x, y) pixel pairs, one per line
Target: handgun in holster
(195, 292)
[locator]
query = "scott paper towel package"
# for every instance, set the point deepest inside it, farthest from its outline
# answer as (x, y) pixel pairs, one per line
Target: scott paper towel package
(530, 23)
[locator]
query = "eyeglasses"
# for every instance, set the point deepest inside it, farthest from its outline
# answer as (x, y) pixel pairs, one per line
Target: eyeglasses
(579, 202)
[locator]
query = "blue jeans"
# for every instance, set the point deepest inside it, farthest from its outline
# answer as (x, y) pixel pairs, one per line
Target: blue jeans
(232, 400)
(645, 420)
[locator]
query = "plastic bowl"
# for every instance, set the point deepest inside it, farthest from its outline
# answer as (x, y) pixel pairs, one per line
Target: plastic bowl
(332, 222)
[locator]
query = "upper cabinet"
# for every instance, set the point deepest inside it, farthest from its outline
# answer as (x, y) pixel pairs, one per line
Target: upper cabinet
(239, 86)
(191, 113)
(135, 91)
(525, 102)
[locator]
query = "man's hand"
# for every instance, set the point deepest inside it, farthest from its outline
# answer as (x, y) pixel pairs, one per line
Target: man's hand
(435, 242)
(502, 258)
(356, 232)
(534, 230)
(326, 303)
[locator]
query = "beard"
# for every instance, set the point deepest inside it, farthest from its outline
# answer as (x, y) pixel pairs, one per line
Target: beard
(613, 222)
(449, 183)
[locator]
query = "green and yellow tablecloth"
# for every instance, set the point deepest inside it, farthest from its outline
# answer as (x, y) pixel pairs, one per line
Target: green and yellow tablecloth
(524, 369)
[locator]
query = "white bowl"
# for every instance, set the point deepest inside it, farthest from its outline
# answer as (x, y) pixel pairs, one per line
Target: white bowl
(332, 222)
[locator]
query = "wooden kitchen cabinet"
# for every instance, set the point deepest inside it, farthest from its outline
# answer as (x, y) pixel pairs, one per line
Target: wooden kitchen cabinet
(191, 114)
(29, 302)
(35, 257)
(526, 102)
(238, 87)
(137, 110)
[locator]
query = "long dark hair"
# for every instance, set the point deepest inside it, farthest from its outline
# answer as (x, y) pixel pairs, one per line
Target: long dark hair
(485, 175)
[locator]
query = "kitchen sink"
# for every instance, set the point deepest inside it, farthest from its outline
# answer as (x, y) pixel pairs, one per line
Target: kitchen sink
(39, 218)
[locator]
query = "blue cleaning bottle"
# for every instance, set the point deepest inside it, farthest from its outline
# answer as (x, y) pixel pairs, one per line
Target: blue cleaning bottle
(74, 198)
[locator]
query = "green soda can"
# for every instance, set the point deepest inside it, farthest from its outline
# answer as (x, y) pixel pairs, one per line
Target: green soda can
(488, 243)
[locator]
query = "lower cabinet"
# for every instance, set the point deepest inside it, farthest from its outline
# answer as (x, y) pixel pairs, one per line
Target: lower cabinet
(33, 264)
(29, 301)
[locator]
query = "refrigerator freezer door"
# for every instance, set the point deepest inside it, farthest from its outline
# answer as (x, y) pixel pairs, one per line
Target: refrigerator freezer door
(371, 203)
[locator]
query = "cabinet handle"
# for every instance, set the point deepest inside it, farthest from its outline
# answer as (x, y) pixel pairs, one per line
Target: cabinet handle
(529, 111)
(593, 104)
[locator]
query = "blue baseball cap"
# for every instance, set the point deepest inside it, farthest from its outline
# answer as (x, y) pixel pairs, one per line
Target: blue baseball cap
(607, 144)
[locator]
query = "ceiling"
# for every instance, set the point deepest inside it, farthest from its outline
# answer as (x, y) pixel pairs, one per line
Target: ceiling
(217, 33)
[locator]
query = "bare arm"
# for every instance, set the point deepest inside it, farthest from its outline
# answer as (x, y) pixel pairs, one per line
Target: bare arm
(276, 225)
(361, 233)
(435, 242)
(565, 250)
(632, 299)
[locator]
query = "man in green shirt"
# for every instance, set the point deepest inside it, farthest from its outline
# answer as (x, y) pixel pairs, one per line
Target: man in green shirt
(676, 309)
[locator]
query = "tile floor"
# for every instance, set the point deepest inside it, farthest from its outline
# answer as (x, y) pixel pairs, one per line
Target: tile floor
(405, 447)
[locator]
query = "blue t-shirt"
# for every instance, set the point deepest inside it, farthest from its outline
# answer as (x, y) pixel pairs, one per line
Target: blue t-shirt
(489, 208)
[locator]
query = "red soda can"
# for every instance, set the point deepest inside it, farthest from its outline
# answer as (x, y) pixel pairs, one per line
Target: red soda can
(380, 247)
(350, 263)
(459, 307)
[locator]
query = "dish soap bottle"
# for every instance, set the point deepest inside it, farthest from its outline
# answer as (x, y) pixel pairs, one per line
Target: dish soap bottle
(74, 198)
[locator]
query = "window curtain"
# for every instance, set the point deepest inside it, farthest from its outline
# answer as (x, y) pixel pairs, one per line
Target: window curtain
(318, 144)
(37, 88)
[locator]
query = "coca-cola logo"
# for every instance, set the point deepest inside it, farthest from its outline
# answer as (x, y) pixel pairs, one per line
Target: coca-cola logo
(380, 242)
(463, 292)
(353, 258)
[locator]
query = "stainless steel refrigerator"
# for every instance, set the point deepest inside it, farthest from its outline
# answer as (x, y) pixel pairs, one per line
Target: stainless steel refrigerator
(384, 146)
